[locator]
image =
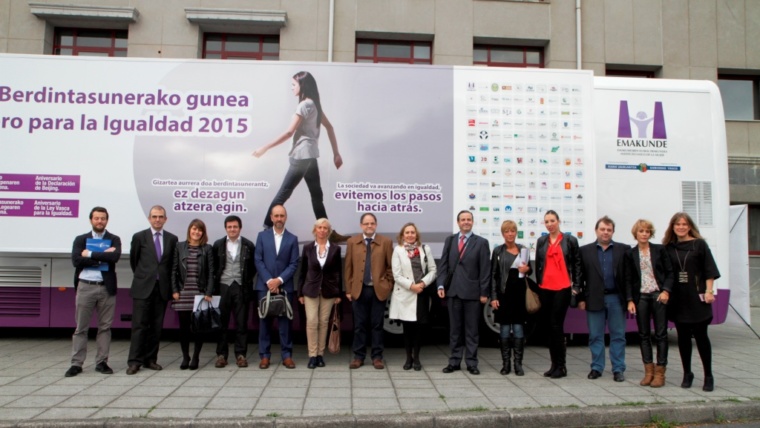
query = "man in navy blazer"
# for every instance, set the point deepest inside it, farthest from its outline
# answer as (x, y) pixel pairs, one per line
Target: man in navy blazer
(150, 257)
(466, 280)
(603, 297)
(95, 284)
(276, 257)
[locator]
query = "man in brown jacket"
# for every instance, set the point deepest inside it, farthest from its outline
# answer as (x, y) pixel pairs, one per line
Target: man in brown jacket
(369, 281)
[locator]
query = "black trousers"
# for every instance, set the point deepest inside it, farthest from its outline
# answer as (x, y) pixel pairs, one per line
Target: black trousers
(649, 309)
(369, 316)
(147, 322)
(233, 301)
(554, 305)
(464, 334)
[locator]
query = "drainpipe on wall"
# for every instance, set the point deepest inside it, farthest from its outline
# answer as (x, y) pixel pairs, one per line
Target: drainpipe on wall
(578, 61)
(331, 31)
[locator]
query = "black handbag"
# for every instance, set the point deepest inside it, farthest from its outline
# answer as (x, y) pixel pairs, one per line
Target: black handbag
(206, 319)
(275, 305)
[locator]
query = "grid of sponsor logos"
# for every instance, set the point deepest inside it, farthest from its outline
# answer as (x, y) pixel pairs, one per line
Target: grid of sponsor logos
(525, 155)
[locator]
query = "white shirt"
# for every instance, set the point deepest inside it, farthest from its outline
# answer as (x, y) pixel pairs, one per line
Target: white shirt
(233, 247)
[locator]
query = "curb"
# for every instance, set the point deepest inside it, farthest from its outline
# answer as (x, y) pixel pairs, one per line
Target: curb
(523, 418)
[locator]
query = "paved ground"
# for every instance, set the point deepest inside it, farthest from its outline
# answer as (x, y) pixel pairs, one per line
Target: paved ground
(33, 388)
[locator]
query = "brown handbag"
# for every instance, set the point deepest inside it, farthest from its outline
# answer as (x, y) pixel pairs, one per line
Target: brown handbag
(532, 302)
(333, 343)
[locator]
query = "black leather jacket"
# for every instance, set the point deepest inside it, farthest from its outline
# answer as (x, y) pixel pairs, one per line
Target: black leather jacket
(247, 265)
(205, 268)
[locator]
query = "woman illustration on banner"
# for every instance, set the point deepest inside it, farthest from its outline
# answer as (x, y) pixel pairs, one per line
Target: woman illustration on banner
(508, 282)
(649, 282)
(320, 284)
(192, 274)
(414, 269)
(690, 304)
(304, 130)
(558, 273)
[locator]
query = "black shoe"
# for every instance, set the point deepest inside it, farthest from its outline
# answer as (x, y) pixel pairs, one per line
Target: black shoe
(102, 367)
(417, 365)
(408, 364)
(688, 378)
(450, 369)
(193, 363)
(709, 384)
(559, 372)
(312, 363)
(320, 361)
(473, 370)
(185, 362)
(73, 371)
(549, 372)
(594, 374)
(618, 376)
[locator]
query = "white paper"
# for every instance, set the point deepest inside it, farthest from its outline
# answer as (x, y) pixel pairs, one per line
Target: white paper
(214, 301)
(524, 259)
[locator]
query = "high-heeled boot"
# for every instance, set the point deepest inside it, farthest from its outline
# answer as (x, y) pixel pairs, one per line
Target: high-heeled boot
(519, 351)
(196, 355)
(185, 346)
(506, 356)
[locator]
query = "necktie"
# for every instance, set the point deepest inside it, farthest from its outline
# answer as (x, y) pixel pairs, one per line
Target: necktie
(157, 243)
(368, 263)
(461, 246)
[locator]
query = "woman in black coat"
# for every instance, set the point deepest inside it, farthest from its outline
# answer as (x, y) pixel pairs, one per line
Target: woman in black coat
(508, 282)
(690, 305)
(649, 282)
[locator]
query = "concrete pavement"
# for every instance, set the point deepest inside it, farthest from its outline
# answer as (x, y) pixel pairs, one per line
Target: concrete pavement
(34, 392)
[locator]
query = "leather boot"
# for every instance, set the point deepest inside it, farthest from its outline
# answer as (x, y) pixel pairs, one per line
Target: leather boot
(659, 377)
(519, 349)
(185, 346)
(196, 356)
(553, 367)
(506, 356)
(648, 374)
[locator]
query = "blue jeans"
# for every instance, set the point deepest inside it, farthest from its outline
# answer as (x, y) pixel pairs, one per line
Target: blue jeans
(614, 317)
(516, 331)
(300, 169)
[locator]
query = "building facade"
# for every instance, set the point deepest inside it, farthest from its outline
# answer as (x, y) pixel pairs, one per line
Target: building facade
(669, 39)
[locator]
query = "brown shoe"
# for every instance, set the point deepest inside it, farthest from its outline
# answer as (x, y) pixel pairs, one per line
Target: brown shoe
(355, 363)
(264, 364)
(132, 369)
(378, 364)
(648, 374)
(153, 366)
(241, 361)
(289, 363)
(221, 362)
(659, 377)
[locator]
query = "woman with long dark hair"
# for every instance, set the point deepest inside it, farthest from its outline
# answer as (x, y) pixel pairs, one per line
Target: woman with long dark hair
(558, 273)
(649, 282)
(304, 130)
(693, 294)
(192, 274)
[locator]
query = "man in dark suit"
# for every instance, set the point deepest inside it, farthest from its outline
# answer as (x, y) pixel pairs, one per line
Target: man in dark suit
(150, 258)
(95, 284)
(234, 269)
(603, 297)
(465, 279)
(276, 262)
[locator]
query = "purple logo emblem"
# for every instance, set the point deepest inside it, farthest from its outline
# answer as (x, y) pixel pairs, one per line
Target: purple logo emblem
(642, 122)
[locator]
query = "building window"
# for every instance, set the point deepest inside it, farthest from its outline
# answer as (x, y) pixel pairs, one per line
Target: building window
(241, 46)
(398, 52)
(645, 74)
(740, 96)
(87, 42)
(508, 56)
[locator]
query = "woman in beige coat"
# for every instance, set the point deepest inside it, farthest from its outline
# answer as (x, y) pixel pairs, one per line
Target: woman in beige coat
(413, 270)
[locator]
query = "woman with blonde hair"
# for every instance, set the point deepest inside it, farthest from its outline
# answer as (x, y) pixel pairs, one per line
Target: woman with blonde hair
(319, 287)
(649, 282)
(414, 269)
(508, 287)
(693, 294)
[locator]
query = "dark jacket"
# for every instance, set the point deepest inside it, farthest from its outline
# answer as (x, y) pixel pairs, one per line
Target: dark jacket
(146, 267)
(570, 250)
(109, 276)
(470, 272)
(592, 291)
(501, 262)
(661, 265)
(247, 266)
(315, 280)
(205, 268)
